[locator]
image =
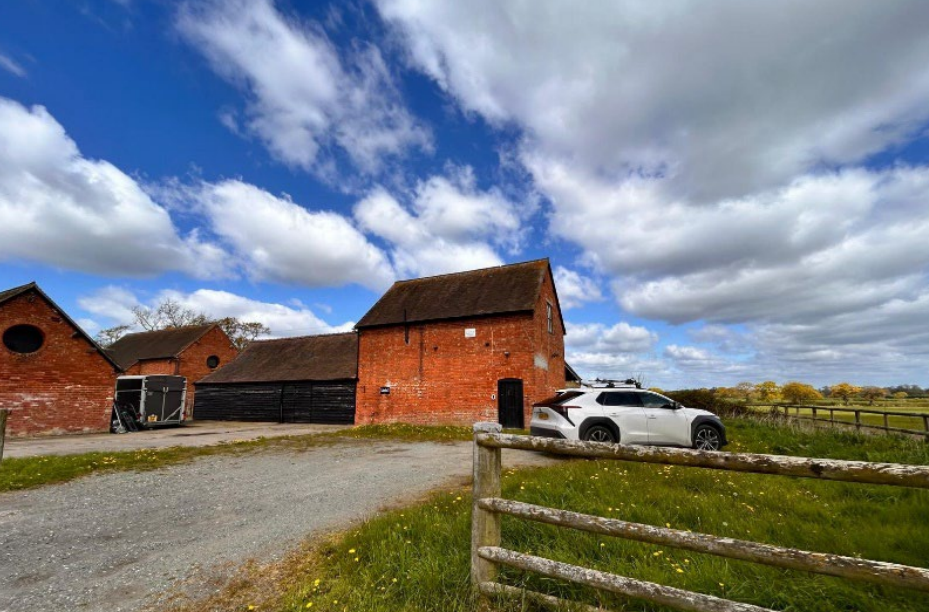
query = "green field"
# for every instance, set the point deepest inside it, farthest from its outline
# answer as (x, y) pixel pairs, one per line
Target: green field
(840, 413)
(417, 558)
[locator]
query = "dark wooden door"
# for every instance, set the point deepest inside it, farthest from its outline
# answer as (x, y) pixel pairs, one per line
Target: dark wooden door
(510, 403)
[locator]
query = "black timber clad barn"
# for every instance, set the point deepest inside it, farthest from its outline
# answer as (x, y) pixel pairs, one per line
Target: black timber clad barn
(292, 380)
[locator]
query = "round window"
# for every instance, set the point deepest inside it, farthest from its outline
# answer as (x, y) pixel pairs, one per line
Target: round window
(23, 338)
(212, 362)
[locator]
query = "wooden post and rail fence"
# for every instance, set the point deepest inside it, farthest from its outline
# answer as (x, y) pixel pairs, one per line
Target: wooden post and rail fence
(3, 415)
(812, 413)
(488, 507)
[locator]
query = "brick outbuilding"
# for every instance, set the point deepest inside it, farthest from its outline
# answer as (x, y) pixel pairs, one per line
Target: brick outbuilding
(53, 377)
(193, 352)
(461, 348)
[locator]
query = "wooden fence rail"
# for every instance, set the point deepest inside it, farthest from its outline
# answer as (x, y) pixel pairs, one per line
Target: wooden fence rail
(857, 423)
(489, 506)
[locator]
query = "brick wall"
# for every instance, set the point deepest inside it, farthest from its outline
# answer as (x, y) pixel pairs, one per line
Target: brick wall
(153, 366)
(64, 387)
(193, 360)
(437, 375)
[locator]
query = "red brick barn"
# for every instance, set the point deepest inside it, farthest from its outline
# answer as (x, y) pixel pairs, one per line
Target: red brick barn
(53, 376)
(193, 352)
(461, 348)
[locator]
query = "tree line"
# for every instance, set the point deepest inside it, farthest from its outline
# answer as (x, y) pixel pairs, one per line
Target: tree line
(795, 392)
(169, 314)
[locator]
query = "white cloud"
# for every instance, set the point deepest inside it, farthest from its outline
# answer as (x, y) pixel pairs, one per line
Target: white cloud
(10, 65)
(276, 239)
(598, 338)
(618, 351)
(706, 157)
(283, 320)
(112, 302)
(721, 98)
(575, 290)
(826, 244)
(294, 319)
(304, 99)
(449, 226)
(62, 209)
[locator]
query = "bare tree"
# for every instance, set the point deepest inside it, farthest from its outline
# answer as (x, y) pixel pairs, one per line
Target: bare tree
(242, 332)
(169, 314)
(106, 337)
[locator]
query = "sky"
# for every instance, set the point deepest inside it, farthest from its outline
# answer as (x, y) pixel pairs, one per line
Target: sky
(727, 191)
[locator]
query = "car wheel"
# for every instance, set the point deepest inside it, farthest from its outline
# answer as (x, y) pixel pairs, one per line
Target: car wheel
(707, 437)
(600, 433)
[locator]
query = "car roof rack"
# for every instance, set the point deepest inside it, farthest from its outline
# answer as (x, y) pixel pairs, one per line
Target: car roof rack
(610, 383)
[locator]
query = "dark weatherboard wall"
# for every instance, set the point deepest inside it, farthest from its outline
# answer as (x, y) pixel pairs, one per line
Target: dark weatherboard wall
(291, 402)
(310, 379)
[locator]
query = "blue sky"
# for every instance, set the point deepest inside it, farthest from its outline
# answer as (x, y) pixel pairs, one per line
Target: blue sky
(727, 191)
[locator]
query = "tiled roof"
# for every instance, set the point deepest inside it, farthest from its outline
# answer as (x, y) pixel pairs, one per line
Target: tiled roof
(503, 289)
(329, 357)
(160, 344)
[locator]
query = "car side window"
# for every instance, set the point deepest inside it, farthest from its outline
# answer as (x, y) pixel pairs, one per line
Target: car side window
(653, 400)
(620, 398)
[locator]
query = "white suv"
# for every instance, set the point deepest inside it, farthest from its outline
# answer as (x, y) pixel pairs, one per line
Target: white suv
(627, 415)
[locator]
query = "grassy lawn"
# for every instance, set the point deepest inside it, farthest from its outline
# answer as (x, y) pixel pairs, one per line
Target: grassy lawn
(418, 558)
(30, 472)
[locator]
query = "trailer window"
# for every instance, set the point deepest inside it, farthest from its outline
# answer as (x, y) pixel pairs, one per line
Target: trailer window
(23, 338)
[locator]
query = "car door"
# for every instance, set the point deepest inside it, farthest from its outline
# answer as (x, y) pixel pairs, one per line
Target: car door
(666, 425)
(625, 409)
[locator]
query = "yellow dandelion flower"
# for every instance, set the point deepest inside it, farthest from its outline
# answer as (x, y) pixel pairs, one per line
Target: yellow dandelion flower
(351, 551)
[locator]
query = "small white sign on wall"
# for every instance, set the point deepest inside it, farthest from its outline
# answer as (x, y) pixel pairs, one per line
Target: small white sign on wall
(470, 332)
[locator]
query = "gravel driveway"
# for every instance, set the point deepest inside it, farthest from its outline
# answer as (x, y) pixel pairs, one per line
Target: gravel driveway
(117, 541)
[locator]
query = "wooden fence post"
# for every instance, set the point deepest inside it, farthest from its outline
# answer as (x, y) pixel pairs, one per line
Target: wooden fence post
(858, 420)
(3, 414)
(485, 525)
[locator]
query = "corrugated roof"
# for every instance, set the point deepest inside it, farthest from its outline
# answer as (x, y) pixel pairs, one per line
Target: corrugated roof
(330, 357)
(9, 294)
(499, 290)
(160, 344)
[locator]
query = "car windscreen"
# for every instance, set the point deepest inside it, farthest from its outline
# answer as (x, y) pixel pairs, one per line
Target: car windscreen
(558, 400)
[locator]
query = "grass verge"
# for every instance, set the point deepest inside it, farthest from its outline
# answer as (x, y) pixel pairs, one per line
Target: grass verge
(29, 472)
(417, 558)
(18, 473)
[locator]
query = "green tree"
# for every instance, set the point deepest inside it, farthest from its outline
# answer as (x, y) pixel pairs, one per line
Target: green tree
(797, 392)
(900, 395)
(844, 391)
